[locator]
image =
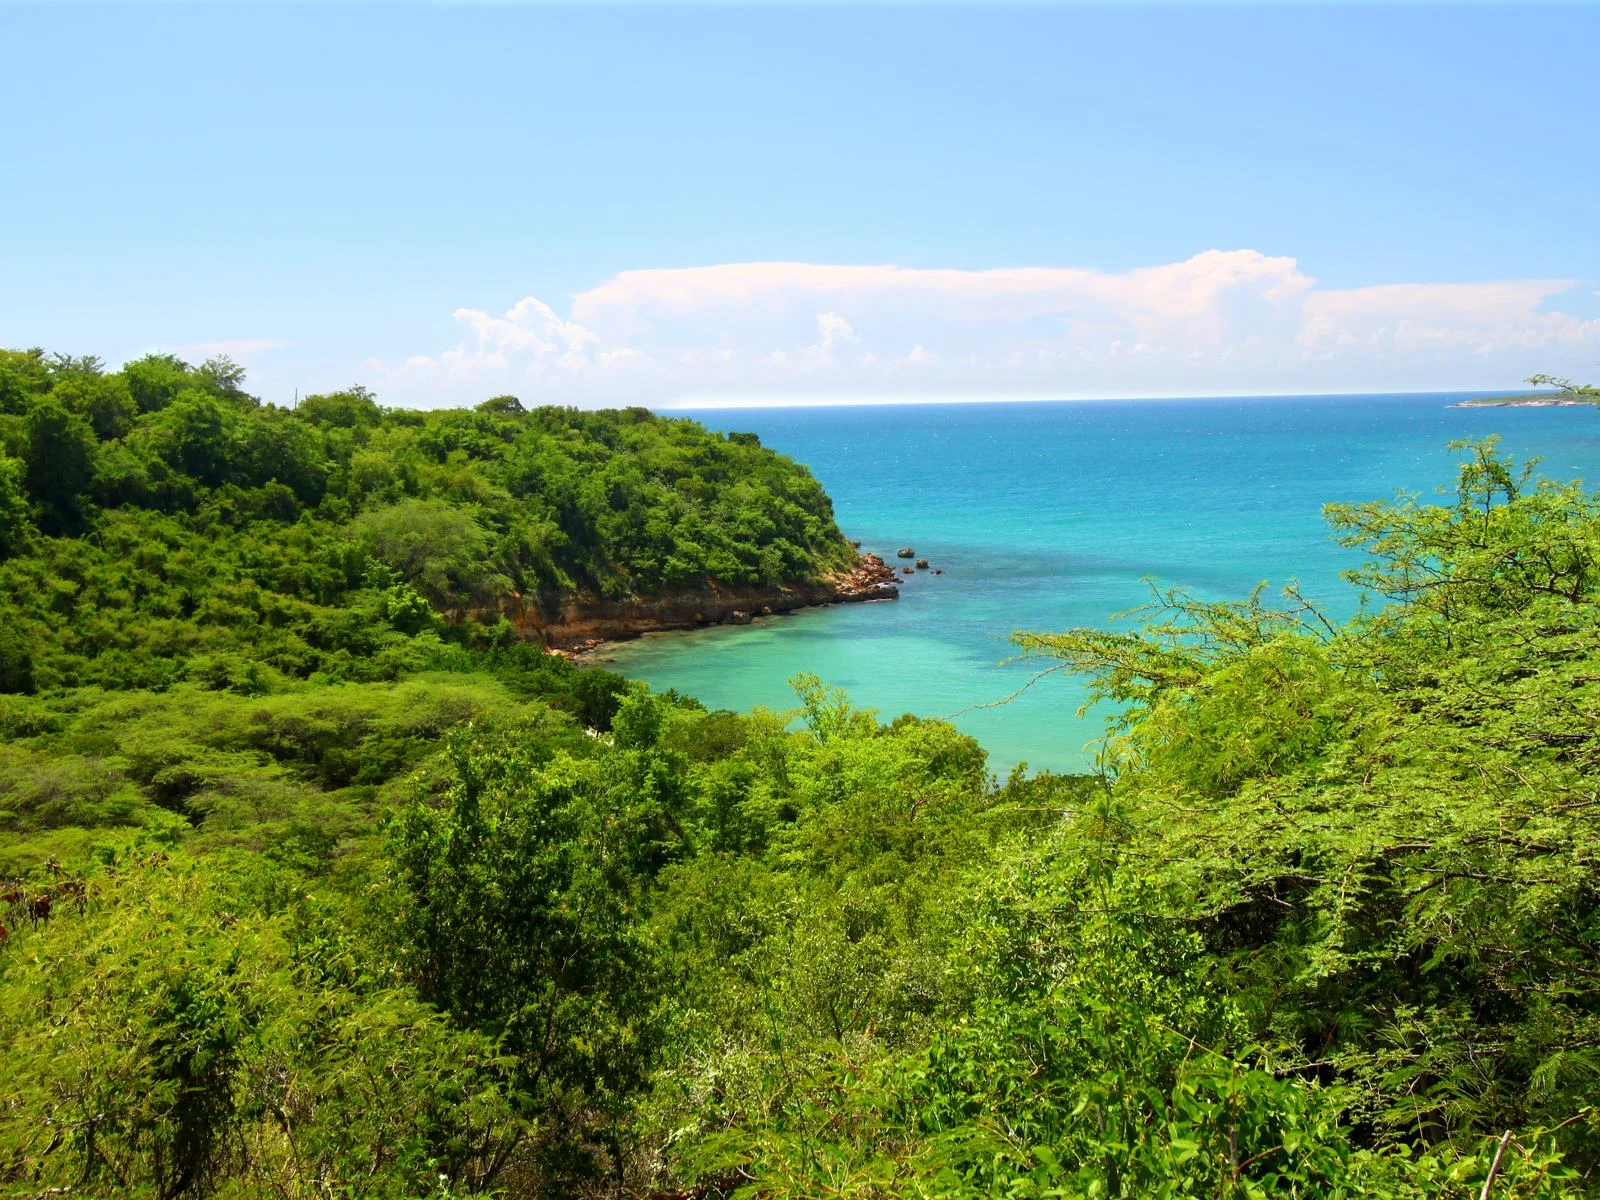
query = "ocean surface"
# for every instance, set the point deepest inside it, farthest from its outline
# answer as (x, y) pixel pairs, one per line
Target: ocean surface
(1045, 516)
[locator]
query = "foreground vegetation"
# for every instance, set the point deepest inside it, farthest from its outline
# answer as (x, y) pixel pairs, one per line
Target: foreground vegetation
(480, 922)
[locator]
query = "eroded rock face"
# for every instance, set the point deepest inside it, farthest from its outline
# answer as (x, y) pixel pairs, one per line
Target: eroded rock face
(585, 622)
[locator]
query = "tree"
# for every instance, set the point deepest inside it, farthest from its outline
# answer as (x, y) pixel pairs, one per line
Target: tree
(508, 406)
(1572, 391)
(197, 435)
(516, 915)
(437, 547)
(24, 375)
(225, 378)
(13, 506)
(16, 659)
(353, 408)
(105, 401)
(1384, 829)
(156, 379)
(60, 461)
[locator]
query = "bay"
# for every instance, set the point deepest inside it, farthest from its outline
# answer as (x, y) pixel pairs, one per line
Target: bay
(1049, 515)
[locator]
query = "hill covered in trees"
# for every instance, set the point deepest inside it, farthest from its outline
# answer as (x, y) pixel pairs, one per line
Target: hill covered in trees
(159, 523)
(448, 916)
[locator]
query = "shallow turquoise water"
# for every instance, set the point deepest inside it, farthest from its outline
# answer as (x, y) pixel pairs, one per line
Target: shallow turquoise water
(1051, 515)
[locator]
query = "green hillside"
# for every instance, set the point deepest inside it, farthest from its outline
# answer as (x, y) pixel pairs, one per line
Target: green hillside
(317, 887)
(159, 524)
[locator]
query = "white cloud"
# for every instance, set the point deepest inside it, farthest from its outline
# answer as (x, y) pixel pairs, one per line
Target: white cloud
(1221, 321)
(530, 334)
(1483, 317)
(833, 329)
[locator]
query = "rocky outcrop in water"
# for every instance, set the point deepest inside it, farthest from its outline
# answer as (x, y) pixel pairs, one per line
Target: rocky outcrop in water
(867, 580)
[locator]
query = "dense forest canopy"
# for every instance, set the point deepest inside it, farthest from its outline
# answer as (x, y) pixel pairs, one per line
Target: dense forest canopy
(157, 523)
(442, 915)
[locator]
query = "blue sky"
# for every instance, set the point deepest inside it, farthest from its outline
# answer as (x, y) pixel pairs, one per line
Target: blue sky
(649, 203)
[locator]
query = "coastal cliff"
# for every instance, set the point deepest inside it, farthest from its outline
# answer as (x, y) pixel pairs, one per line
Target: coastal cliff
(584, 622)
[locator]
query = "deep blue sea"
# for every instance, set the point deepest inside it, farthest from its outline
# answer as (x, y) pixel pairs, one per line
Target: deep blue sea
(1051, 515)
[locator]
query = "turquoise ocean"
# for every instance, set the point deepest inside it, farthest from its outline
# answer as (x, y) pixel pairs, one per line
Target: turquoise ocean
(1049, 515)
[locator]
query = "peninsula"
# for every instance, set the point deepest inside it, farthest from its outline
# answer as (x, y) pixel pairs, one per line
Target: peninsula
(1560, 393)
(1531, 400)
(160, 521)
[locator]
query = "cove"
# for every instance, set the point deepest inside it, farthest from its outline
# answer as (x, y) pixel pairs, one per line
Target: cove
(1047, 515)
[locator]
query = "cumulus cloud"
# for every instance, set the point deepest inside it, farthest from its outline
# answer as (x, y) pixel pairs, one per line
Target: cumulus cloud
(530, 333)
(1220, 321)
(1480, 317)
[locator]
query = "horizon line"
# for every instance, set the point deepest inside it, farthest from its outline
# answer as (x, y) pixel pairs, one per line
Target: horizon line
(698, 404)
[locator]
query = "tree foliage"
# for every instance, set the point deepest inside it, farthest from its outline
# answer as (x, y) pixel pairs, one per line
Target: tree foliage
(310, 891)
(153, 517)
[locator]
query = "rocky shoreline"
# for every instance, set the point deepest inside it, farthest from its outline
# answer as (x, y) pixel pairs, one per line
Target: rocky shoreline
(1526, 402)
(584, 624)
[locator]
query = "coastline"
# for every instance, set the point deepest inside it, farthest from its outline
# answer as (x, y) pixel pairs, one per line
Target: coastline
(1525, 402)
(586, 624)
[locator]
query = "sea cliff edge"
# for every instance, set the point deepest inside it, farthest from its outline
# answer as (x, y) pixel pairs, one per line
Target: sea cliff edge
(584, 623)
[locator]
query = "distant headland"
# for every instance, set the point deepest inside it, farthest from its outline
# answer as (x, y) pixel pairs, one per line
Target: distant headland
(1561, 393)
(1530, 400)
